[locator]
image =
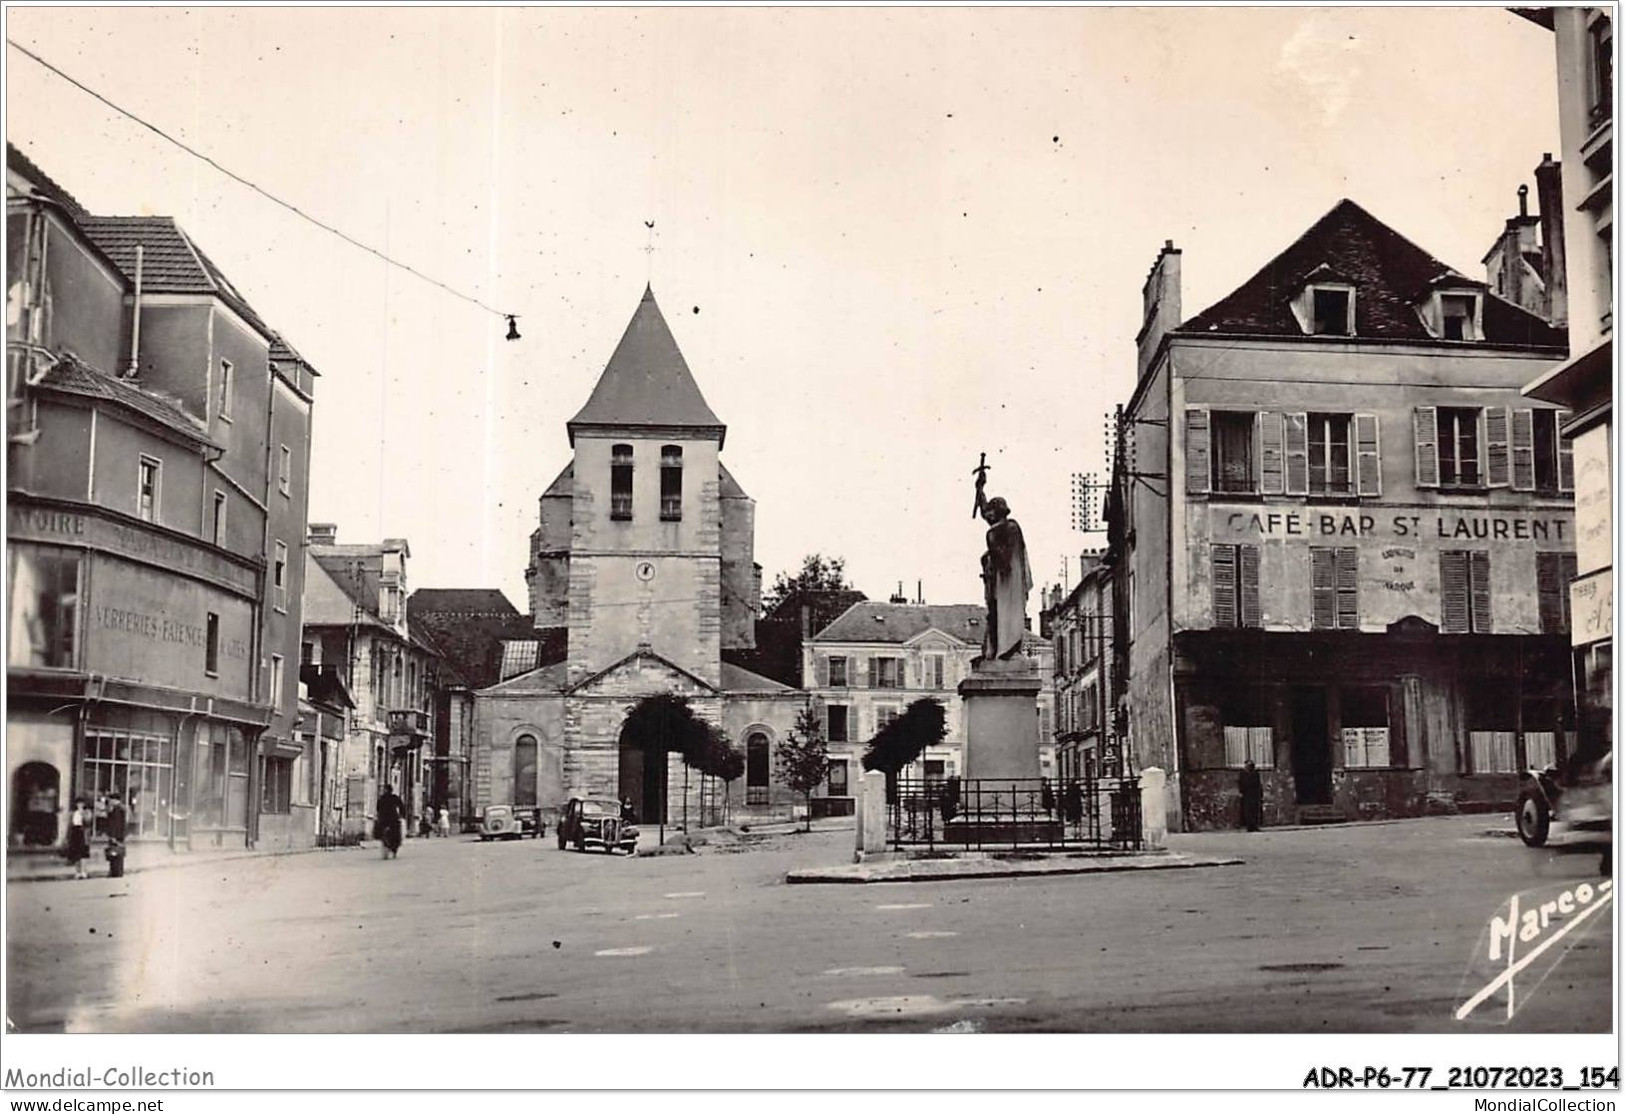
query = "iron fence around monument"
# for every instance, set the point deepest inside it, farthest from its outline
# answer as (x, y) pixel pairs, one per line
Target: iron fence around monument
(1015, 814)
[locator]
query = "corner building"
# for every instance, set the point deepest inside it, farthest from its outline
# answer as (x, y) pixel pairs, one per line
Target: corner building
(1346, 553)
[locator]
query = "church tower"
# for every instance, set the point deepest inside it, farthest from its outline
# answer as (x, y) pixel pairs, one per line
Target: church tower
(645, 541)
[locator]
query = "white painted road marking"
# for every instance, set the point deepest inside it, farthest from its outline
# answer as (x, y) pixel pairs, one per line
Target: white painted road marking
(864, 971)
(907, 905)
(914, 1005)
(624, 951)
(688, 893)
(656, 916)
(931, 935)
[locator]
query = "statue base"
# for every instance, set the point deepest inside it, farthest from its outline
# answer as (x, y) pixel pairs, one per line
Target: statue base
(1001, 718)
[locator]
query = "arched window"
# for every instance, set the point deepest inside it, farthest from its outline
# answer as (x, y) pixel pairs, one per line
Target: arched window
(671, 483)
(758, 767)
(524, 771)
(620, 483)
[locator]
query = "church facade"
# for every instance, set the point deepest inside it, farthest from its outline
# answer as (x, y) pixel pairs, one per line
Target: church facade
(641, 580)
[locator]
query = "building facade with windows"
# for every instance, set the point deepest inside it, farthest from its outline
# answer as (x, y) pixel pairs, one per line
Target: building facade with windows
(877, 658)
(1583, 384)
(356, 627)
(1346, 537)
(644, 559)
(1079, 623)
(146, 625)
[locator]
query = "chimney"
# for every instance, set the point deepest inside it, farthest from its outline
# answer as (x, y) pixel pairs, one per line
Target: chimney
(323, 533)
(806, 621)
(897, 596)
(1161, 304)
(1553, 257)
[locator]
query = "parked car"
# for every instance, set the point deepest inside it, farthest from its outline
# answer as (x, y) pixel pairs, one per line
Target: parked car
(596, 822)
(1581, 802)
(509, 822)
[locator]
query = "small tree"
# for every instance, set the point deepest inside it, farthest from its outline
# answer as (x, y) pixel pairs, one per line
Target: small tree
(804, 758)
(717, 758)
(664, 724)
(923, 724)
(818, 574)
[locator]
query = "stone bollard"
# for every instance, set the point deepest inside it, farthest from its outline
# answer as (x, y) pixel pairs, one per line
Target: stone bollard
(871, 813)
(1153, 809)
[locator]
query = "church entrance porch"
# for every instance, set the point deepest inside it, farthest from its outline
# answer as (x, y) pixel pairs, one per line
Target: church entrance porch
(643, 781)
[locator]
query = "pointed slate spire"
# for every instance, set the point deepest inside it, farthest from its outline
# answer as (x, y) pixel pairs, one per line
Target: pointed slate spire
(647, 384)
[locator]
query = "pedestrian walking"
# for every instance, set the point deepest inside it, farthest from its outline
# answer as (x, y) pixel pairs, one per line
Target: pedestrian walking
(115, 824)
(389, 822)
(78, 849)
(445, 822)
(1252, 797)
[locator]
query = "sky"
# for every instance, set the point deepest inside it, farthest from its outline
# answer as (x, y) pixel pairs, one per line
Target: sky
(886, 239)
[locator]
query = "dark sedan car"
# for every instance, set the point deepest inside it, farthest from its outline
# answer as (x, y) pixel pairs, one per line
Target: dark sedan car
(596, 822)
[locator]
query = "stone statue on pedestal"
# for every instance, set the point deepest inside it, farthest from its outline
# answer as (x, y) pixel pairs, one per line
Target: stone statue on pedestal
(1007, 577)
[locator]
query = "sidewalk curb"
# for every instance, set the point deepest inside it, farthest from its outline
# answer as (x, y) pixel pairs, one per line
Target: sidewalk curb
(65, 874)
(856, 875)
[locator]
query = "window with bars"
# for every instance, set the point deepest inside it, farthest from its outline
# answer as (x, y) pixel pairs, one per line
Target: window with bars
(1553, 572)
(1464, 590)
(620, 483)
(1334, 588)
(44, 607)
(671, 483)
(1235, 586)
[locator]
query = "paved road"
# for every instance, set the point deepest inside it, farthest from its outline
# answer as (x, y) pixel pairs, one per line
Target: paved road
(1342, 929)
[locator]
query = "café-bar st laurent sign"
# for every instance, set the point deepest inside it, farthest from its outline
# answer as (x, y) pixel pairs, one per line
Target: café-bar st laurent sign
(1423, 526)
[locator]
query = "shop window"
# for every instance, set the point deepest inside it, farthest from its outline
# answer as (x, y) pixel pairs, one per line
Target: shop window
(1365, 728)
(276, 794)
(221, 788)
(1492, 728)
(837, 777)
(620, 483)
(1553, 572)
(1464, 589)
(44, 607)
(1235, 586)
(1248, 717)
(140, 768)
(1334, 588)
(837, 717)
(671, 483)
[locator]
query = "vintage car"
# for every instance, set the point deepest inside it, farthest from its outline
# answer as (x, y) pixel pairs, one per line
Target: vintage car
(596, 822)
(508, 822)
(1582, 802)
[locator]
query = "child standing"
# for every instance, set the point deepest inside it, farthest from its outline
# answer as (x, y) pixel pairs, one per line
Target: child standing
(79, 836)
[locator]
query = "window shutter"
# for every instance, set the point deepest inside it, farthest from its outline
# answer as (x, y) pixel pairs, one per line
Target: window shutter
(1550, 589)
(1523, 450)
(1453, 591)
(1425, 423)
(1565, 453)
(1496, 451)
(1568, 569)
(1271, 476)
(1368, 455)
(823, 671)
(1248, 555)
(1198, 451)
(1297, 454)
(1481, 590)
(1323, 588)
(1348, 589)
(868, 672)
(1224, 585)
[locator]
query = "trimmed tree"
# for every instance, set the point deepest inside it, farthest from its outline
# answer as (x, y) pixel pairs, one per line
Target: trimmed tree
(804, 758)
(664, 724)
(923, 724)
(718, 759)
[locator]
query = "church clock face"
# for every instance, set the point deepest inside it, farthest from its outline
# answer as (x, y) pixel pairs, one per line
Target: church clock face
(645, 570)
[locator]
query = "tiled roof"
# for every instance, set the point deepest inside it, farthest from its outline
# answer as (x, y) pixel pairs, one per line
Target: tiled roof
(170, 262)
(646, 382)
(1392, 277)
(872, 621)
(563, 484)
(460, 601)
(73, 376)
(727, 486)
(283, 352)
(738, 679)
(327, 604)
(471, 627)
(44, 184)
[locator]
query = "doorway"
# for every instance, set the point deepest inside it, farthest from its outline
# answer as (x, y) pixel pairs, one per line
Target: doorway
(757, 769)
(643, 781)
(1311, 754)
(35, 804)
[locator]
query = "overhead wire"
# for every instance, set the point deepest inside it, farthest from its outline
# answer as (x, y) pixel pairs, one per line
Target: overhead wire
(262, 191)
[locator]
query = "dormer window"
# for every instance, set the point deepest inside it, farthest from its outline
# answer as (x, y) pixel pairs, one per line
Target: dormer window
(1331, 311)
(1455, 315)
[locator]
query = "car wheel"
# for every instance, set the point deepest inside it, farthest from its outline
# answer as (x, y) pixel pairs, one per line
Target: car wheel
(1534, 818)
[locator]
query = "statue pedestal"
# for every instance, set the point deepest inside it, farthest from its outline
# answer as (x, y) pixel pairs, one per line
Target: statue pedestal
(1001, 718)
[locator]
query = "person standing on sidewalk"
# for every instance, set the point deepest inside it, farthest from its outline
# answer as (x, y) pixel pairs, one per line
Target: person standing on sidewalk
(116, 824)
(391, 819)
(78, 837)
(1252, 797)
(445, 822)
